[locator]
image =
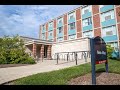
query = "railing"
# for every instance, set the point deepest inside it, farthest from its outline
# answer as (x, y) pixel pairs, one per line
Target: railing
(71, 56)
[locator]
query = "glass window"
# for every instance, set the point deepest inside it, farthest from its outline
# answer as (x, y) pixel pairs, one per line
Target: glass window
(50, 33)
(43, 35)
(107, 15)
(60, 39)
(72, 15)
(51, 24)
(87, 9)
(43, 27)
(60, 29)
(88, 34)
(72, 26)
(71, 37)
(109, 31)
(102, 6)
(60, 20)
(87, 21)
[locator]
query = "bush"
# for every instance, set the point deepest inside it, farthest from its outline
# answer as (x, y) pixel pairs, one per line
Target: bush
(13, 51)
(109, 51)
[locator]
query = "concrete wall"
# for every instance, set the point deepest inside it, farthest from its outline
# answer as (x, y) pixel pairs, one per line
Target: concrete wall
(71, 46)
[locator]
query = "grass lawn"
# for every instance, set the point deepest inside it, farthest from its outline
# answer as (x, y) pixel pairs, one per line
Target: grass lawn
(61, 77)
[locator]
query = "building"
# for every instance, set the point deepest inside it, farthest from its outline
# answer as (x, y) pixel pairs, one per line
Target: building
(70, 31)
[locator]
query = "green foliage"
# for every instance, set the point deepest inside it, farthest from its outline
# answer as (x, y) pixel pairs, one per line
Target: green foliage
(12, 51)
(109, 51)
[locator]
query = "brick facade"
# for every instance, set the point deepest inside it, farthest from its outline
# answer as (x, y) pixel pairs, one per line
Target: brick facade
(47, 31)
(34, 50)
(118, 14)
(49, 52)
(97, 32)
(78, 14)
(79, 29)
(95, 9)
(96, 19)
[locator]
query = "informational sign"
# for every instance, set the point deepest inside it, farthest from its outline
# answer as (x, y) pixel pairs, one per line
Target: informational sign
(100, 50)
(98, 55)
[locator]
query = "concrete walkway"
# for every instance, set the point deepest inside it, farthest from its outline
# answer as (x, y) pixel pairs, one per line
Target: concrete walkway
(12, 73)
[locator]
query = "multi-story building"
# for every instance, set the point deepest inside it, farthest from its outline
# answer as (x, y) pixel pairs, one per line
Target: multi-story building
(70, 31)
(85, 21)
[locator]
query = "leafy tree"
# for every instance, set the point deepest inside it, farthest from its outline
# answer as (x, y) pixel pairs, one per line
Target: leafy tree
(12, 51)
(109, 51)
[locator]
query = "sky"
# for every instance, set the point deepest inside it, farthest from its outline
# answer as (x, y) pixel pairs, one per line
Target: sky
(25, 20)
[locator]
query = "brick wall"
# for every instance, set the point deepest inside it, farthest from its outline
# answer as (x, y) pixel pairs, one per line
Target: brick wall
(65, 26)
(46, 31)
(118, 14)
(79, 29)
(96, 19)
(95, 9)
(97, 32)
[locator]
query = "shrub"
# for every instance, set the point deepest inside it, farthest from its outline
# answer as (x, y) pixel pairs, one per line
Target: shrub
(13, 51)
(109, 51)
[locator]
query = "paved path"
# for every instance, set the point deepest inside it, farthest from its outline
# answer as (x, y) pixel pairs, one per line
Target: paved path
(12, 73)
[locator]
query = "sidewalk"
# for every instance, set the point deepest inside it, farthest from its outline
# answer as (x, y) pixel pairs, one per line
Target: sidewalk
(12, 73)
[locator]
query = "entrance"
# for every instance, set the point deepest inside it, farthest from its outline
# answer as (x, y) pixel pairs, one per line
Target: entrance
(45, 51)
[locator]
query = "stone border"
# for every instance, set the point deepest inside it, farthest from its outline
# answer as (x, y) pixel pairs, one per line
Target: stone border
(13, 65)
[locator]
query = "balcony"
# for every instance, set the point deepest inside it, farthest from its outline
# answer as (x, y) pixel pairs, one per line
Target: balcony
(108, 23)
(106, 8)
(86, 15)
(86, 28)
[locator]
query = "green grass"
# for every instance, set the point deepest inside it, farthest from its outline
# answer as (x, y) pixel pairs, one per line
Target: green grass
(61, 77)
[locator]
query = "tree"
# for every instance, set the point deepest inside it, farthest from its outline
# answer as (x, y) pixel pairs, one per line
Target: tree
(109, 51)
(12, 51)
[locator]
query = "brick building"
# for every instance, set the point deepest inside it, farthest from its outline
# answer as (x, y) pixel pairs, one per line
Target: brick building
(70, 31)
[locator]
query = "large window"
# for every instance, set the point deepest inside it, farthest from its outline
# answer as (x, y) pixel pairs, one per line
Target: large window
(60, 20)
(109, 31)
(60, 29)
(50, 33)
(88, 34)
(107, 15)
(72, 37)
(71, 15)
(51, 24)
(60, 39)
(43, 27)
(87, 22)
(87, 9)
(43, 35)
(72, 26)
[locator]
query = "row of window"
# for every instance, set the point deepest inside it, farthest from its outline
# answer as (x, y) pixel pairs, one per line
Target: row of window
(104, 16)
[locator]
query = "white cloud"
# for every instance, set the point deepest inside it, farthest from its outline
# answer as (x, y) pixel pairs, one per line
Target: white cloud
(25, 19)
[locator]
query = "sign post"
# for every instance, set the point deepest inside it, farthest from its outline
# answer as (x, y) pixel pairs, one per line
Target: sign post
(98, 55)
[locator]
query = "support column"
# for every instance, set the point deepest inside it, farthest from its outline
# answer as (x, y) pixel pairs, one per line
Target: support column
(34, 50)
(42, 52)
(49, 52)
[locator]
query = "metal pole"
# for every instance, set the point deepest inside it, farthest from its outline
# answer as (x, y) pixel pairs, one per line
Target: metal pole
(93, 62)
(57, 58)
(67, 57)
(76, 57)
(85, 57)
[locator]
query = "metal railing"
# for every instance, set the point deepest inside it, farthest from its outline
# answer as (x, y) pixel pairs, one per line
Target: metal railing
(71, 56)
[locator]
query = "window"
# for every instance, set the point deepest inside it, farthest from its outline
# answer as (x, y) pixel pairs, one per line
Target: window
(43, 27)
(86, 9)
(50, 33)
(60, 20)
(51, 24)
(88, 34)
(109, 31)
(87, 22)
(102, 6)
(72, 26)
(72, 15)
(107, 15)
(60, 39)
(43, 35)
(60, 29)
(71, 37)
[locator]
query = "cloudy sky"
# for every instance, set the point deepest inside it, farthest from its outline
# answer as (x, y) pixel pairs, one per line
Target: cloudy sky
(25, 19)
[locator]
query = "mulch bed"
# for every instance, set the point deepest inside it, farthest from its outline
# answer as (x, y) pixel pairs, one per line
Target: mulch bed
(102, 78)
